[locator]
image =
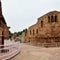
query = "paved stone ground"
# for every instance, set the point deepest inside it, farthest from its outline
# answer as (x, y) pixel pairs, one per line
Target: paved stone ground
(29, 52)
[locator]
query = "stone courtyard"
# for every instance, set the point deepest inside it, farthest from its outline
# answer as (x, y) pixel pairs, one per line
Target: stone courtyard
(29, 52)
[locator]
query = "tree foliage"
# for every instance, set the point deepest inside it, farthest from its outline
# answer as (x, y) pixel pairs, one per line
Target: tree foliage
(20, 32)
(17, 33)
(10, 34)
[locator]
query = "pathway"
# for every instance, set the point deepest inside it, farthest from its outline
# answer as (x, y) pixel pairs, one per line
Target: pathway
(29, 52)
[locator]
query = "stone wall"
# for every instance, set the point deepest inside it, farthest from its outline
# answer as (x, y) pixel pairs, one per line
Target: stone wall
(46, 30)
(4, 30)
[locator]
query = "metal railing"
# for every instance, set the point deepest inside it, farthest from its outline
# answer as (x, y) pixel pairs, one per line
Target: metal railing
(10, 50)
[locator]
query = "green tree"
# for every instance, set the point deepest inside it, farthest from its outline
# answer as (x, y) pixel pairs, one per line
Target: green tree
(10, 34)
(20, 32)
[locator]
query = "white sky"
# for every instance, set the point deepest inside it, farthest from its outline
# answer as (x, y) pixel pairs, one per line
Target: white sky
(20, 14)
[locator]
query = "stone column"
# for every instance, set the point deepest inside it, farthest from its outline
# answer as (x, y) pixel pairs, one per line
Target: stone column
(1, 30)
(0, 41)
(0, 36)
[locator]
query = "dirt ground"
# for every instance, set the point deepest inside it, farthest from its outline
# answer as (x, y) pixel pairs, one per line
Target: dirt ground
(29, 52)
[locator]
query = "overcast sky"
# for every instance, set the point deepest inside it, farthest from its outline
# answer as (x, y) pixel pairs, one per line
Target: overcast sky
(20, 14)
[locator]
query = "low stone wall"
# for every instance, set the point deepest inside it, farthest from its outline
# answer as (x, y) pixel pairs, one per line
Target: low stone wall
(56, 44)
(45, 42)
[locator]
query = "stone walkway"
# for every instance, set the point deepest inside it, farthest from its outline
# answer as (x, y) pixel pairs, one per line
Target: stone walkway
(29, 52)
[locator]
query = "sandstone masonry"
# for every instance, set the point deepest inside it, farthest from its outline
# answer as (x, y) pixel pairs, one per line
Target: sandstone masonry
(46, 30)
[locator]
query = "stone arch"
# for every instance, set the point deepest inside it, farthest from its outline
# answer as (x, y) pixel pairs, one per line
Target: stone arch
(55, 18)
(52, 18)
(41, 23)
(49, 19)
(36, 31)
(33, 31)
(30, 32)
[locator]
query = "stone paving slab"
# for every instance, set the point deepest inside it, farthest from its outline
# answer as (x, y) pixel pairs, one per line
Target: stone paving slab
(29, 52)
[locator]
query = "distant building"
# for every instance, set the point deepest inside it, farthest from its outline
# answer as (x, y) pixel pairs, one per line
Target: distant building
(23, 37)
(14, 36)
(46, 30)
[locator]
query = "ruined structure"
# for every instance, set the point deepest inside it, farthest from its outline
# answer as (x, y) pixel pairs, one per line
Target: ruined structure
(14, 36)
(24, 37)
(46, 30)
(4, 30)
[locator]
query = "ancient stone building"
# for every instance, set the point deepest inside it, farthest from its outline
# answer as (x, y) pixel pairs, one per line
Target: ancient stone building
(46, 30)
(23, 37)
(4, 30)
(14, 36)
